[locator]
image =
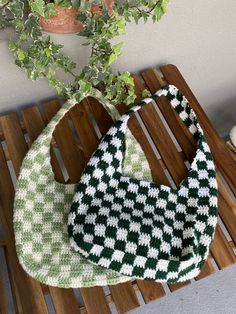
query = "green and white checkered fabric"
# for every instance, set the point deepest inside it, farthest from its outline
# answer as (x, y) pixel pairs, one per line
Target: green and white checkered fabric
(139, 228)
(41, 213)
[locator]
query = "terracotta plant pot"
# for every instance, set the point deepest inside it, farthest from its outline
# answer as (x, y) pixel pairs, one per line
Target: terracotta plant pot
(66, 22)
(63, 23)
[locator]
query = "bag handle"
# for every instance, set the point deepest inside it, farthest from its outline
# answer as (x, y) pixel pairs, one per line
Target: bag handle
(42, 145)
(180, 104)
(46, 135)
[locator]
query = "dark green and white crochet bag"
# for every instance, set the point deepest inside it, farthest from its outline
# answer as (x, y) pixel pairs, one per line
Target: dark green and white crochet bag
(41, 212)
(139, 228)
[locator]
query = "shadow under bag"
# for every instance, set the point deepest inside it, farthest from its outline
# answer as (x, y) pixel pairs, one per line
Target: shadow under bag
(142, 229)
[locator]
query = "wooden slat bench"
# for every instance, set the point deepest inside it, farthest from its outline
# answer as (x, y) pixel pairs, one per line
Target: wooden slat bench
(169, 149)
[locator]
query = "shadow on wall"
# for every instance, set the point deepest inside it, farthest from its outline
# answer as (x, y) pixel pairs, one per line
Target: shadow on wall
(223, 116)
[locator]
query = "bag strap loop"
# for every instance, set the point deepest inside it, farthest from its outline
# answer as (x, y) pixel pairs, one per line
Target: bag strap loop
(179, 103)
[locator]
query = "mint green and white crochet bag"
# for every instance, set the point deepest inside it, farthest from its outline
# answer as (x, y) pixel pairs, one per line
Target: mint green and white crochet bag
(41, 212)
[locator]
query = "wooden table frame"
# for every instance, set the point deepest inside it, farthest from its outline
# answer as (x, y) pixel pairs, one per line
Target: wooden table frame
(19, 130)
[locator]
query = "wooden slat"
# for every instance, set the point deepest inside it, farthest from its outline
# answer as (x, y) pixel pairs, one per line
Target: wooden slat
(14, 137)
(34, 125)
(150, 290)
(15, 293)
(71, 155)
(95, 300)
(207, 270)
(85, 129)
(33, 122)
(233, 155)
(2, 242)
(185, 139)
(6, 191)
(176, 286)
(156, 165)
(64, 301)
(103, 119)
(157, 171)
(217, 145)
(221, 250)
(231, 146)
(232, 150)
(124, 297)
(232, 244)
(29, 290)
(161, 139)
(227, 209)
(3, 307)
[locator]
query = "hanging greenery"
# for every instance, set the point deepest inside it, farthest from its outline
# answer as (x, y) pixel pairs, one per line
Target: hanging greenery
(40, 57)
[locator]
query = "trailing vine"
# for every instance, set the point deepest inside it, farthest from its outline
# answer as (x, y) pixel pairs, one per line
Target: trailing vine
(40, 57)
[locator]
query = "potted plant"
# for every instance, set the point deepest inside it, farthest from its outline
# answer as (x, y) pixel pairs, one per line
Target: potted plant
(63, 20)
(62, 15)
(40, 57)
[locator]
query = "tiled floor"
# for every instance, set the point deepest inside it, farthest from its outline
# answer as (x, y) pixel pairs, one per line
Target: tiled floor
(213, 295)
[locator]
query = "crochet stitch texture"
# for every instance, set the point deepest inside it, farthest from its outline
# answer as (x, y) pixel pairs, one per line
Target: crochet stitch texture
(41, 212)
(139, 228)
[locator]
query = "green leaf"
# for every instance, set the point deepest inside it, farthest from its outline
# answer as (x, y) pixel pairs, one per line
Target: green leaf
(50, 73)
(84, 87)
(32, 27)
(17, 8)
(146, 93)
(50, 10)
(20, 54)
(48, 52)
(116, 50)
(38, 7)
(63, 3)
(117, 47)
(121, 25)
(12, 45)
(126, 78)
(160, 10)
(165, 4)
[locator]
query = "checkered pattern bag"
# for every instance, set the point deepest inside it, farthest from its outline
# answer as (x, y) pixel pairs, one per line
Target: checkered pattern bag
(41, 212)
(139, 228)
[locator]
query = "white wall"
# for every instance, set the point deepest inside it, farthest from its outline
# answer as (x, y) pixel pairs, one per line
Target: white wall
(198, 36)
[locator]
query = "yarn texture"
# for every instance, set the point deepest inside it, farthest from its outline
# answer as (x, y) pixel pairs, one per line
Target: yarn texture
(139, 228)
(41, 213)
